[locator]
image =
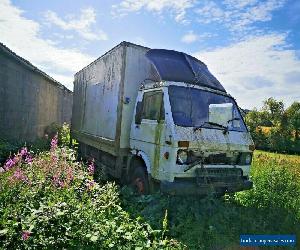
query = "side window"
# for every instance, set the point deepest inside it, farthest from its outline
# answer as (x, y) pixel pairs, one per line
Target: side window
(153, 108)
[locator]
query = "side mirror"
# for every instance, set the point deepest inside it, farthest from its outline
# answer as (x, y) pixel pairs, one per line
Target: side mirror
(220, 113)
(138, 113)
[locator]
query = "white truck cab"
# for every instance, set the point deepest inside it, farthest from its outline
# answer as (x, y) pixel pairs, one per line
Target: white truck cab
(191, 137)
(165, 120)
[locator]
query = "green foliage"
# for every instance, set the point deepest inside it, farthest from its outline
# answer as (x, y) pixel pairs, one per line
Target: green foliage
(283, 134)
(63, 132)
(271, 207)
(7, 148)
(53, 202)
(293, 115)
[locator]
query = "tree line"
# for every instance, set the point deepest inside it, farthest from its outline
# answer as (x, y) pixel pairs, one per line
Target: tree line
(274, 127)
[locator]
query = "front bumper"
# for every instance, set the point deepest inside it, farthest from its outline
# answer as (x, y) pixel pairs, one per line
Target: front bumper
(184, 187)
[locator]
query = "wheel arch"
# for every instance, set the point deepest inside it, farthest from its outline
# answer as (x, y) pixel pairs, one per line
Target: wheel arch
(138, 156)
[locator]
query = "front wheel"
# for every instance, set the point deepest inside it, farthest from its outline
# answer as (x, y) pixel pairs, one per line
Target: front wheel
(139, 181)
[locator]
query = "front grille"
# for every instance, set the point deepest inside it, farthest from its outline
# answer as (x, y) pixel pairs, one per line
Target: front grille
(217, 159)
(212, 175)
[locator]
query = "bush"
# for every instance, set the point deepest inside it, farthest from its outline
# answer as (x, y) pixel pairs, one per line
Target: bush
(7, 148)
(52, 201)
(276, 184)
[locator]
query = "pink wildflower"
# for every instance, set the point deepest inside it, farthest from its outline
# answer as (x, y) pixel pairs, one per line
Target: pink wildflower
(90, 184)
(28, 159)
(70, 175)
(54, 158)
(19, 175)
(24, 151)
(91, 167)
(57, 181)
(9, 164)
(25, 235)
(61, 183)
(54, 142)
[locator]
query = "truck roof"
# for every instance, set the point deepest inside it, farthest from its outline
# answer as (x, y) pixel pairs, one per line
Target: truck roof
(123, 43)
(171, 65)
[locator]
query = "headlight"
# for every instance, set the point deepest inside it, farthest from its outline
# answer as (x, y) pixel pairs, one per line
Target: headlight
(248, 159)
(182, 157)
(245, 159)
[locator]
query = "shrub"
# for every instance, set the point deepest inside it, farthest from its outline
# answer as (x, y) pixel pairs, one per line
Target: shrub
(276, 184)
(52, 201)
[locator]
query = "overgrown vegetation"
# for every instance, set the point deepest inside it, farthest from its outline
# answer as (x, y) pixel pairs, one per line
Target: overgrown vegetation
(52, 201)
(274, 127)
(271, 207)
(10, 147)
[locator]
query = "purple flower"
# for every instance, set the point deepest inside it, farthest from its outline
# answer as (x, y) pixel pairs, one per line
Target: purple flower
(19, 175)
(54, 142)
(9, 164)
(24, 151)
(90, 184)
(91, 167)
(54, 158)
(28, 159)
(57, 181)
(70, 175)
(25, 235)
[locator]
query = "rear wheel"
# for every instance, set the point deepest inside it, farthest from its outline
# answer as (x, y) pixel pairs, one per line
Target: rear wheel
(139, 181)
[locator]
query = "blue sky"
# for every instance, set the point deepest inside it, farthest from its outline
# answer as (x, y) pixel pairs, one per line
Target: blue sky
(253, 47)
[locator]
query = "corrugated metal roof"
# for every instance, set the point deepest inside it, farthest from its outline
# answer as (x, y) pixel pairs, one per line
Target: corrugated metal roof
(30, 66)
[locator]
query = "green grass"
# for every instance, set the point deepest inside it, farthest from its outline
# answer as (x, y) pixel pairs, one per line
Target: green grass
(271, 207)
(72, 213)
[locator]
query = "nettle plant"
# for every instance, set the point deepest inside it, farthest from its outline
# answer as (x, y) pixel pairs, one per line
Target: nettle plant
(50, 200)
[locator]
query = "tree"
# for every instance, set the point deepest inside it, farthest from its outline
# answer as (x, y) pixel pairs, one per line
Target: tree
(293, 116)
(275, 110)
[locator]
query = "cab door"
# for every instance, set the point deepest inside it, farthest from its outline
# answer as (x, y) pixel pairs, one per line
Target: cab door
(148, 127)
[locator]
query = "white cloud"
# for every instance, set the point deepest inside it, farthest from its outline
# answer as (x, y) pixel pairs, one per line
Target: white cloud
(257, 68)
(22, 36)
(81, 24)
(191, 37)
(178, 7)
(238, 15)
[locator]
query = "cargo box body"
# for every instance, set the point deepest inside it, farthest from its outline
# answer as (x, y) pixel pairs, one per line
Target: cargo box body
(104, 97)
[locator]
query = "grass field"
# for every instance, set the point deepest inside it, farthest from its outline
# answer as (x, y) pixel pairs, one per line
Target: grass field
(51, 200)
(271, 207)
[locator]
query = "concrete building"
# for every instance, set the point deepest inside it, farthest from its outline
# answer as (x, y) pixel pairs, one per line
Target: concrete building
(30, 100)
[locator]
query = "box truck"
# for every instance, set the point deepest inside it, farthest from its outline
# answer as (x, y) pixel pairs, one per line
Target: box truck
(159, 118)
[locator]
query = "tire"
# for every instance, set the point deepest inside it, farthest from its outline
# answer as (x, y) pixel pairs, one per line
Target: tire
(154, 186)
(139, 181)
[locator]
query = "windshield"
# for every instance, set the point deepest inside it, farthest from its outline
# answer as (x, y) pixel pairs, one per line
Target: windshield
(190, 108)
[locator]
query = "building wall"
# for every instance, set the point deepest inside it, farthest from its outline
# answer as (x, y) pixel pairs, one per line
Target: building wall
(29, 101)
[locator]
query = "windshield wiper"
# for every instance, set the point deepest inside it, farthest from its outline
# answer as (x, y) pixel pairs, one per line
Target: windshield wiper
(234, 119)
(210, 123)
(217, 124)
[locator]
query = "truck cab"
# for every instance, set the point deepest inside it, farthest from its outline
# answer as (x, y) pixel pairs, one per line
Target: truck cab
(192, 139)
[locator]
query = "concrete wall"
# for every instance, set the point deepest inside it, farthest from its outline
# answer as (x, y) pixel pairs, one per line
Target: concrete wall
(29, 99)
